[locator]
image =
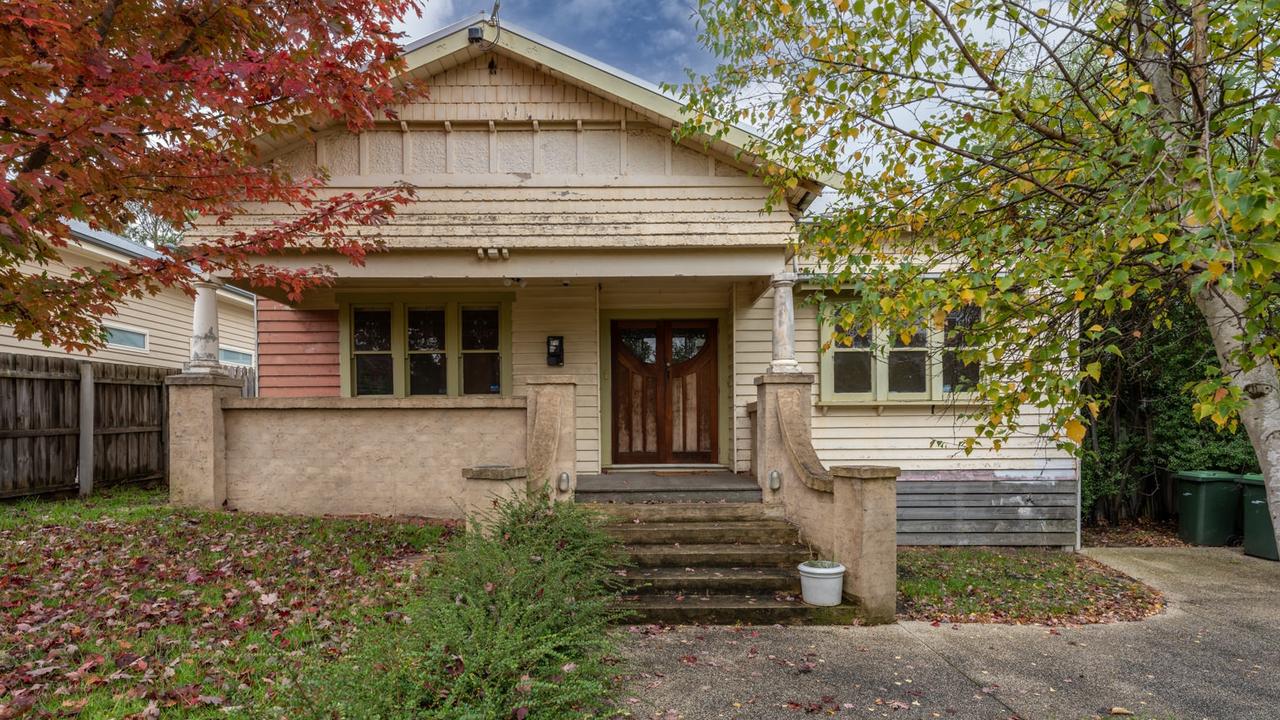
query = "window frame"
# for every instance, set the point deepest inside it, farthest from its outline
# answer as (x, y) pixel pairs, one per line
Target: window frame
(146, 338)
(881, 346)
(400, 304)
(450, 347)
(229, 348)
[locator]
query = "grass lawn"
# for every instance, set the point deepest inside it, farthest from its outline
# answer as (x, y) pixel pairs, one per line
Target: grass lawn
(1016, 585)
(120, 606)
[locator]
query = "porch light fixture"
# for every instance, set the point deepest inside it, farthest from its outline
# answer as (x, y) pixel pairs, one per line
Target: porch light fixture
(775, 480)
(562, 482)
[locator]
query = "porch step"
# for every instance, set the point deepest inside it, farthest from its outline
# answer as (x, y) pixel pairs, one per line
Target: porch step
(686, 496)
(750, 532)
(704, 562)
(681, 512)
(718, 554)
(750, 609)
(707, 580)
(667, 486)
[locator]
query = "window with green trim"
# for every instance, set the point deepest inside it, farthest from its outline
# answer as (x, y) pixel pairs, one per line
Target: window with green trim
(930, 366)
(420, 346)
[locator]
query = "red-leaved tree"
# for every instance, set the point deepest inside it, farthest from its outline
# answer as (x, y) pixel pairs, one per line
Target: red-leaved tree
(113, 107)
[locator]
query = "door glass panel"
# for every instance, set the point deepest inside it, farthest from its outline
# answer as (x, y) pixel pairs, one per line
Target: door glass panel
(427, 374)
(686, 343)
(479, 328)
(426, 329)
(641, 343)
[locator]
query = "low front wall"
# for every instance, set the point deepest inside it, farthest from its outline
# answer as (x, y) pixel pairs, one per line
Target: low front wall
(343, 456)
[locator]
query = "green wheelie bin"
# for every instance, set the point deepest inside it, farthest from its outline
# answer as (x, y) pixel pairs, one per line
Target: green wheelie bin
(1208, 506)
(1259, 538)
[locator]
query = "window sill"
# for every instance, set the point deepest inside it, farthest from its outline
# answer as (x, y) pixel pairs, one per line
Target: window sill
(377, 403)
(880, 405)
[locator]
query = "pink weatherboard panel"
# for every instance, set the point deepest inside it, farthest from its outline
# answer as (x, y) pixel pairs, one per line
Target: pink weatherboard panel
(297, 351)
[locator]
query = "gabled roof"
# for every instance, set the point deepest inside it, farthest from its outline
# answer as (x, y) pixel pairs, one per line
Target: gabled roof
(452, 45)
(110, 241)
(82, 233)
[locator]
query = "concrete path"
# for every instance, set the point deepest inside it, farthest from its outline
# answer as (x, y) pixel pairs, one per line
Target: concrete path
(1214, 654)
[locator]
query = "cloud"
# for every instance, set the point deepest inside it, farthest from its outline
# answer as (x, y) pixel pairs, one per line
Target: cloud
(589, 14)
(435, 15)
(670, 38)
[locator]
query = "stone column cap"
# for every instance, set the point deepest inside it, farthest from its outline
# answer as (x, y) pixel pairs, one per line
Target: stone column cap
(866, 472)
(495, 472)
(783, 278)
(205, 378)
(788, 378)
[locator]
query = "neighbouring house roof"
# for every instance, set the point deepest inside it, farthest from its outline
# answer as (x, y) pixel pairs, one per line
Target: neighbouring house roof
(86, 235)
(431, 54)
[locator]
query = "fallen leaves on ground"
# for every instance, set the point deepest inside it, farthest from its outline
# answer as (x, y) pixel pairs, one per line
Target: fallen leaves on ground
(183, 613)
(1017, 585)
(1142, 533)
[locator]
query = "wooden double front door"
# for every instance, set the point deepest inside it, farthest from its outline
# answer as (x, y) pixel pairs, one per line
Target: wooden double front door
(664, 391)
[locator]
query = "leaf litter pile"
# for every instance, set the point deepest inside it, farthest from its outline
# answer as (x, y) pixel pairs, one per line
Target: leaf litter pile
(127, 608)
(1017, 585)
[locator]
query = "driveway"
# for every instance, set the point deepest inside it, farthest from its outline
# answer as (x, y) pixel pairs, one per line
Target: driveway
(1214, 654)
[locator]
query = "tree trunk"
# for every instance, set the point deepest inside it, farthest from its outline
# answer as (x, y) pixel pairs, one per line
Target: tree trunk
(1224, 312)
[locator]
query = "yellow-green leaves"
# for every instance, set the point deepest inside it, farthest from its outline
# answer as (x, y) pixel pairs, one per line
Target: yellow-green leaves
(976, 170)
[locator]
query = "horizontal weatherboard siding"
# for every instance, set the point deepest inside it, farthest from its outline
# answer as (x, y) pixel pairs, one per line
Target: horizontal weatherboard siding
(987, 512)
(297, 351)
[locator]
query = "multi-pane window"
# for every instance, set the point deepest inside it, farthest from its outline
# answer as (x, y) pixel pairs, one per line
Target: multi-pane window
(481, 360)
(880, 368)
(958, 375)
(423, 348)
(852, 362)
(374, 364)
(428, 360)
(908, 360)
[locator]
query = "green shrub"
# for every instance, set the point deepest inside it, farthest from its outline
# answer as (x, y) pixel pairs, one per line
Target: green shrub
(513, 622)
(1148, 430)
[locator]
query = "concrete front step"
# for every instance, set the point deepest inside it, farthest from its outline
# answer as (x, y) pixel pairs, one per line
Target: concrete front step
(718, 555)
(751, 609)
(669, 496)
(747, 532)
(730, 580)
(686, 512)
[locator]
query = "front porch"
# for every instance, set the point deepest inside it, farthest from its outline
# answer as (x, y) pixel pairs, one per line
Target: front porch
(556, 409)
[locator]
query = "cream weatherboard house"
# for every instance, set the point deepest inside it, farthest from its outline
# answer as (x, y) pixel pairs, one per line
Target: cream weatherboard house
(575, 299)
(152, 331)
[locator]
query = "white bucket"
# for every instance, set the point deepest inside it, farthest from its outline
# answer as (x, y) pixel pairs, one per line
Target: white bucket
(821, 582)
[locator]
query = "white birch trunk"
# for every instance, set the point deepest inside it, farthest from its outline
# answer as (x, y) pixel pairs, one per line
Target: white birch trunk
(1224, 311)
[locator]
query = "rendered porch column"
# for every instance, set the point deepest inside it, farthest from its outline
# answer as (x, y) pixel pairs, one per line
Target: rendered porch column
(204, 329)
(197, 436)
(784, 324)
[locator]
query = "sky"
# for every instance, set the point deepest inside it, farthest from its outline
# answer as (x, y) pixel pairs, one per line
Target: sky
(652, 39)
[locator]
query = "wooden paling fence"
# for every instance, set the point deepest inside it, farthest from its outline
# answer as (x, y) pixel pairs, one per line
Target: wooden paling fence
(44, 441)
